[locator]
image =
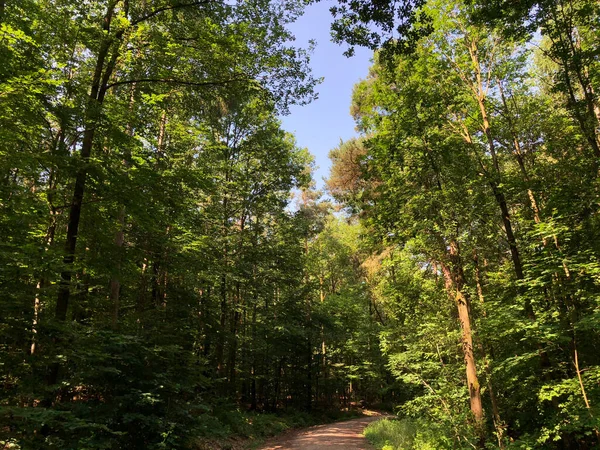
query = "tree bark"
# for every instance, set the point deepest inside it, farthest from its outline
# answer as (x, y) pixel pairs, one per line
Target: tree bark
(495, 178)
(115, 282)
(220, 350)
(235, 321)
(499, 425)
(519, 156)
(96, 98)
(58, 144)
(455, 283)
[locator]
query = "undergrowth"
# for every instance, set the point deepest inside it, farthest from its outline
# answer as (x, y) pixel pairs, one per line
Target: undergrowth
(237, 429)
(406, 434)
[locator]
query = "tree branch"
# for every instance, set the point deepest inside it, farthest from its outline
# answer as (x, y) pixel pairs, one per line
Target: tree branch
(174, 81)
(167, 8)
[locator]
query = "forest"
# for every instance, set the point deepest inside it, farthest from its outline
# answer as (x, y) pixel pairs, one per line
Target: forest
(171, 277)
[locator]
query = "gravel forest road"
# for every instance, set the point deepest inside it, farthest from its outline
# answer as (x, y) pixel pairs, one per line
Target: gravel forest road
(346, 435)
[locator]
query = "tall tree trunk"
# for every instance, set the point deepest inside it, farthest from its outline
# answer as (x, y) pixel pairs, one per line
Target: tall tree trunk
(518, 153)
(97, 94)
(96, 97)
(582, 387)
(569, 60)
(220, 350)
(323, 345)
(510, 236)
(308, 386)
(253, 368)
(235, 321)
(455, 284)
(42, 282)
(582, 76)
(119, 240)
(499, 424)
(156, 295)
(206, 322)
(222, 335)
(115, 282)
(494, 179)
(58, 144)
(238, 304)
(141, 301)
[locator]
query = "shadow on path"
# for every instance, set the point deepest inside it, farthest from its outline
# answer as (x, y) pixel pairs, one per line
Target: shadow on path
(345, 435)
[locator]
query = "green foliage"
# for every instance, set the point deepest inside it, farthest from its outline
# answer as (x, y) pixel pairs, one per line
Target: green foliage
(178, 285)
(409, 434)
(157, 281)
(159, 288)
(476, 184)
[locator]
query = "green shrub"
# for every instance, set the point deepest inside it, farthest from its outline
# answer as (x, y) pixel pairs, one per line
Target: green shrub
(407, 434)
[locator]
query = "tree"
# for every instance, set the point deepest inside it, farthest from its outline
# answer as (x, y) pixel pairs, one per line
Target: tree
(458, 176)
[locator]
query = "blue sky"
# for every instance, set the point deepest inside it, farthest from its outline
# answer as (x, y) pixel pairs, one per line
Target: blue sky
(320, 125)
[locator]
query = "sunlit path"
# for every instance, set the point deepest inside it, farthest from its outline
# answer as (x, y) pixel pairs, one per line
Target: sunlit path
(347, 435)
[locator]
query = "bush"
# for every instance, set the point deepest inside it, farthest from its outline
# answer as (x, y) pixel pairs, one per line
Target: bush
(407, 434)
(230, 426)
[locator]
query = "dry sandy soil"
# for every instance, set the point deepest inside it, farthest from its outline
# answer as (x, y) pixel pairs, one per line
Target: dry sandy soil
(345, 435)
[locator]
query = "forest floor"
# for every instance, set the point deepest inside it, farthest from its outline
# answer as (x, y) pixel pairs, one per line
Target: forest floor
(347, 435)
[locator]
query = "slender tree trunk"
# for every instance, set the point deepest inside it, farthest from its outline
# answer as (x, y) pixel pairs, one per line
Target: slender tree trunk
(323, 345)
(278, 384)
(499, 425)
(506, 219)
(141, 301)
(494, 179)
(586, 125)
(48, 241)
(583, 125)
(455, 283)
(244, 360)
(582, 387)
(235, 321)
(308, 391)
(162, 127)
(519, 156)
(253, 368)
(115, 282)
(499, 195)
(155, 281)
(98, 89)
(584, 81)
(42, 282)
(206, 324)
(238, 304)
(220, 350)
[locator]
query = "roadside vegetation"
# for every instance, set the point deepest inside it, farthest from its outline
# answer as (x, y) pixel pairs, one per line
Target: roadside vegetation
(235, 429)
(409, 434)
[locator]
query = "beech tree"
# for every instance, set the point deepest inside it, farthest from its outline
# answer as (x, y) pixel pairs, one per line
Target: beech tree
(171, 277)
(461, 181)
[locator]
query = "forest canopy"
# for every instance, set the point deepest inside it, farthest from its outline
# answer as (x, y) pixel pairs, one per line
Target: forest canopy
(171, 277)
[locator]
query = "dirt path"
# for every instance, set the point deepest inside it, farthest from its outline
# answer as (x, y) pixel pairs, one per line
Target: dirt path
(346, 435)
